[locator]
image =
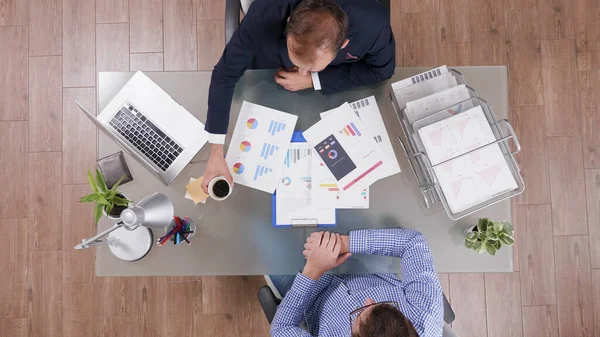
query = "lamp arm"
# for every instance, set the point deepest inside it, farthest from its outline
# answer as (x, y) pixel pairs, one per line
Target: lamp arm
(86, 243)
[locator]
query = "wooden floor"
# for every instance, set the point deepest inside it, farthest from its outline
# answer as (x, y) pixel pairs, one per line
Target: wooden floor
(51, 50)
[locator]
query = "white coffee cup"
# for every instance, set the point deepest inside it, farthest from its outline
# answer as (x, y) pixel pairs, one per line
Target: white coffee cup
(219, 188)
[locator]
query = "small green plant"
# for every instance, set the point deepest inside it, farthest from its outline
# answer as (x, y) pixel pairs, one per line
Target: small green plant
(104, 197)
(489, 236)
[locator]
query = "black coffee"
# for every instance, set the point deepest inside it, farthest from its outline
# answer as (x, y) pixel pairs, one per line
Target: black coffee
(221, 189)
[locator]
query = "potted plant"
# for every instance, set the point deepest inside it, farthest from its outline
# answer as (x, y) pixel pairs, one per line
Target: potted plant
(110, 201)
(489, 236)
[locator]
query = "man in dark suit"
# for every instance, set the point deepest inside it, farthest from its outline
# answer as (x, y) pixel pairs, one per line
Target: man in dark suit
(322, 45)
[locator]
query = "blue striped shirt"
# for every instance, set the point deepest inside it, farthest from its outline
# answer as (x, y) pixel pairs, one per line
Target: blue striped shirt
(324, 305)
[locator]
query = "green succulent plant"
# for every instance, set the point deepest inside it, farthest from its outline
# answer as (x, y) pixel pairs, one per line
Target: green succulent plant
(104, 197)
(489, 236)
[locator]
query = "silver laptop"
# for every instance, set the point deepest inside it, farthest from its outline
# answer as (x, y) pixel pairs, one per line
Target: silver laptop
(154, 129)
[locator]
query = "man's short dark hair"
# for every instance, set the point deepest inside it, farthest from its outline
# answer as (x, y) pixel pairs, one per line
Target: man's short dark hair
(317, 25)
(385, 320)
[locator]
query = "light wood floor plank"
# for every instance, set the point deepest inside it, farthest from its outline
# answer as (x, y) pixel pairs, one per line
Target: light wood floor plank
(588, 59)
(556, 19)
(540, 321)
(118, 327)
(503, 305)
(112, 47)
(45, 201)
(592, 190)
(467, 292)
(536, 254)
(14, 97)
(13, 268)
(445, 282)
(574, 286)
(112, 11)
(79, 36)
(419, 6)
(78, 223)
(184, 305)
(530, 127)
(184, 278)
(14, 327)
(522, 4)
(587, 24)
(567, 186)
(13, 198)
(44, 276)
(14, 12)
(251, 318)
(488, 33)
(45, 27)
(453, 21)
(589, 105)
(151, 294)
(79, 317)
(79, 135)
(596, 299)
(180, 35)
(419, 42)
(211, 10)
(559, 73)
(217, 325)
(524, 57)
(219, 294)
(146, 62)
(146, 26)
(211, 41)
(454, 54)
(119, 296)
(45, 104)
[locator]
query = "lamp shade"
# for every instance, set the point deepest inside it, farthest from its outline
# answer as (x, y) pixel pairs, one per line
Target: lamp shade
(155, 211)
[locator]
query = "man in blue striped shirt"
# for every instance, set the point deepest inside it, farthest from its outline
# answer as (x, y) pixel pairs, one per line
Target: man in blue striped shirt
(365, 305)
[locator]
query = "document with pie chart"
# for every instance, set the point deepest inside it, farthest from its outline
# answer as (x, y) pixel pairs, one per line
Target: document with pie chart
(259, 146)
(476, 177)
(346, 148)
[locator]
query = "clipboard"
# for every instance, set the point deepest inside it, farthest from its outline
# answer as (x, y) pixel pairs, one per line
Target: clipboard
(297, 137)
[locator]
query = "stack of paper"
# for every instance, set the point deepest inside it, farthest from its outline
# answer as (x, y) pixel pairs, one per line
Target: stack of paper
(258, 146)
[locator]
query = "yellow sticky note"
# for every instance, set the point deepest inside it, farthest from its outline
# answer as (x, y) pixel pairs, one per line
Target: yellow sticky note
(195, 192)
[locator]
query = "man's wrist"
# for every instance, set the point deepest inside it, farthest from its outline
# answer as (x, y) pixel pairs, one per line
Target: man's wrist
(345, 244)
(216, 150)
(311, 273)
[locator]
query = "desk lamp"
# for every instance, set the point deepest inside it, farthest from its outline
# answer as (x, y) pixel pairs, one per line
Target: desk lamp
(131, 239)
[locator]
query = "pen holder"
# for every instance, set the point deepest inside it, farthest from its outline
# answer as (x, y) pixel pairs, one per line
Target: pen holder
(169, 239)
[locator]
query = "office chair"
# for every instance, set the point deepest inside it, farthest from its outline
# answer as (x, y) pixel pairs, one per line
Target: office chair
(269, 303)
(232, 14)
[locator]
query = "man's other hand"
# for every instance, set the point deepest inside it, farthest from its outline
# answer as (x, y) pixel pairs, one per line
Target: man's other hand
(315, 238)
(325, 256)
(216, 166)
(292, 80)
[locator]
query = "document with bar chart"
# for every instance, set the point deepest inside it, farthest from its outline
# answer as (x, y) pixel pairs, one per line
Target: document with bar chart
(349, 152)
(325, 192)
(294, 204)
(259, 146)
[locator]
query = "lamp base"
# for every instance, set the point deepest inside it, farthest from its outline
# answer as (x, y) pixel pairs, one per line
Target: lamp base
(129, 245)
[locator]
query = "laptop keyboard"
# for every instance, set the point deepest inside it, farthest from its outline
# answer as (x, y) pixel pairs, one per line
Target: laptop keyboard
(145, 136)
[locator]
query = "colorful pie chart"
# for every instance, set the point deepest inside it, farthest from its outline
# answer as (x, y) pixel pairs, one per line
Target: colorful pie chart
(238, 168)
(252, 123)
(245, 146)
(286, 181)
(332, 154)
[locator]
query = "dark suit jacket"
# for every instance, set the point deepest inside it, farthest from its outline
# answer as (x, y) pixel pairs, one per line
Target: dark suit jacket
(259, 43)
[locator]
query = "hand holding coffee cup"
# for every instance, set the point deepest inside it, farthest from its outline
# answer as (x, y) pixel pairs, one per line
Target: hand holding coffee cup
(219, 188)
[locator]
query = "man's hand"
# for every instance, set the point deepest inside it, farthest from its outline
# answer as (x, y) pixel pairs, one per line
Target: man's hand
(325, 256)
(292, 80)
(315, 238)
(216, 166)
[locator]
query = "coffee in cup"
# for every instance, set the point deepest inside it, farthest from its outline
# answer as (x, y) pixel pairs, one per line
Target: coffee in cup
(219, 188)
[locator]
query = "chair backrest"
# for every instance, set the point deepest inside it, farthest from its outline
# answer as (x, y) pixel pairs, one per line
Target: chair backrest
(448, 332)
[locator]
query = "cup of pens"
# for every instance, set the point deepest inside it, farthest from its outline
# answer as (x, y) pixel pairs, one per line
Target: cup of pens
(179, 231)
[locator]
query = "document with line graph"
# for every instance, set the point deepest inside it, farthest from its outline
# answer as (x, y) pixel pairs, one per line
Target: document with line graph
(259, 146)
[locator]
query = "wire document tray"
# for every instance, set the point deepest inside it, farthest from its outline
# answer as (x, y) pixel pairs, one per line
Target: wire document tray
(424, 170)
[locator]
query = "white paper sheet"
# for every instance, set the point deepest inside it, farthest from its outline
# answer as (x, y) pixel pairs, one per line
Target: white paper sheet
(347, 149)
(475, 177)
(326, 193)
(422, 77)
(259, 145)
(294, 201)
(423, 89)
(433, 103)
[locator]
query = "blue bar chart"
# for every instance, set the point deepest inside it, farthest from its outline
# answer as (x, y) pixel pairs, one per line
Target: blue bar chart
(261, 170)
(275, 127)
(294, 155)
(268, 150)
